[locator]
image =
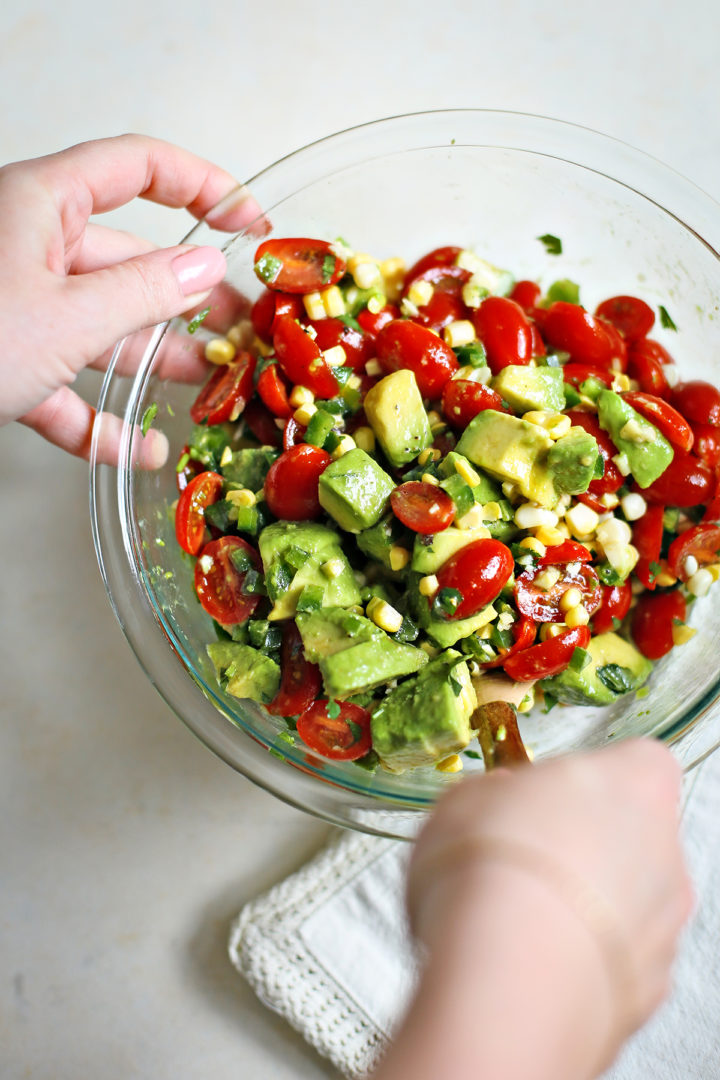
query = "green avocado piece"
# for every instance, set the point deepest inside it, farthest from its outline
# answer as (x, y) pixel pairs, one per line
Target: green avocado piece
(249, 467)
(484, 492)
(647, 451)
(444, 632)
(616, 667)
(571, 461)
(395, 412)
(249, 673)
(333, 629)
(525, 388)
(354, 490)
(368, 664)
(378, 541)
(509, 449)
(427, 718)
(311, 545)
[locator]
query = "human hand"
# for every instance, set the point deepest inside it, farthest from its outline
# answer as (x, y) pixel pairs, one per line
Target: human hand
(70, 288)
(551, 898)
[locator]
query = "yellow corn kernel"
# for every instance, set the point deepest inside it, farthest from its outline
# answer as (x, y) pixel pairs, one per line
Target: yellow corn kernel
(474, 520)
(473, 294)
(226, 457)
(570, 599)
(365, 274)
(373, 368)
(465, 470)
(548, 536)
(429, 454)
(554, 423)
(577, 616)
(428, 478)
(333, 302)
(420, 293)
(399, 557)
(333, 568)
(365, 439)
(429, 585)
(459, 332)
(533, 544)
(301, 395)
(682, 633)
(303, 414)
(550, 630)
(450, 764)
(620, 383)
(491, 511)
(314, 306)
(665, 579)
(346, 444)
(581, 520)
(219, 351)
(376, 303)
(241, 497)
(546, 579)
(335, 357)
(393, 275)
(408, 309)
(384, 615)
(434, 417)
(354, 382)
(714, 570)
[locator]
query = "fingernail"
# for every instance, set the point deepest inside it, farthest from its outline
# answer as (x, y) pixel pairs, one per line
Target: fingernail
(199, 269)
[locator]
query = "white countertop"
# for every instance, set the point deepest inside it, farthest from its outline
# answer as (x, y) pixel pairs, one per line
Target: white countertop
(125, 847)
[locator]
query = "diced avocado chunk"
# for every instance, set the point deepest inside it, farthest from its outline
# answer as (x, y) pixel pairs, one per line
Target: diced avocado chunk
(395, 412)
(571, 461)
(369, 664)
(445, 632)
(378, 541)
(647, 451)
(311, 545)
(430, 552)
(333, 629)
(249, 673)
(354, 490)
(616, 667)
(507, 447)
(249, 467)
(427, 718)
(525, 388)
(485, 491)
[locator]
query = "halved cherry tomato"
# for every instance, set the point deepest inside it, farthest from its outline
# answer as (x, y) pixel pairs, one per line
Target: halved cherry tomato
(300, 680)
(612, 479)
(543, 605)
(373, 322)
(646, 360)
(652, 622)
(549, 657)
(462, 399)
(505, 331)
(647, 533)
(618, 347)
(357, 346)
(570, 328)
(204, 490)
(345, 737)
(615, 605)
(293, 433)
(219, 583)
(301, 359)
(291, 485)
(538, 345)
(189, 471)
(567, 551)
(261, 423)
(262, 314)
(289, 304)
(574, 374)
(632, 317)
(226, 393)
(442, 256)
(667, 420)
(702, 542)
(272, 388)
(526, 294)
(523, 632)
(698, 401)
(479, 572)
(297, 264)
(706, 443)
(424, 508)
(686, 481)
(405, 344)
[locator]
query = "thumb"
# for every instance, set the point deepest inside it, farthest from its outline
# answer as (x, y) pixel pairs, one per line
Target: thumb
(110, 303)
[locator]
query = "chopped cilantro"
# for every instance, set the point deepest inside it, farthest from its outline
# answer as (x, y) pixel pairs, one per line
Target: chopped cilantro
(472, 754)
(333, 709)
(616, 678)
(357, 730)
(579, 659)
(553, 244)
(147, 417)
(447, 602)
(550, 702)
(654, 569)
(455, 684)
(369, 761)
(350, 321)
(198, 320)
(407, 632)
(328, 268)
(599, 470)
(267, 268)
(607, 575)
(665, 320)
(472, 355)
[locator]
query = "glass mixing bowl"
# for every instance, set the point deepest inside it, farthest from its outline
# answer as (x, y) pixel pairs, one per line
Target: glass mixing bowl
(492, 181)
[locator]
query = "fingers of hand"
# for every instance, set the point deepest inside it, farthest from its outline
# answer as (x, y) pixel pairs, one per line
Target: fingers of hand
(101, 247)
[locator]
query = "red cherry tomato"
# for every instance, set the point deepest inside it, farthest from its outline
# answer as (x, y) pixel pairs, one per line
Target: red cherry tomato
(293, 433)
(526, 294)
(357, 346)
(405, 344)
(300, 681)
(574, 330)
(613, 609)
(204, 490)
(442, 256)
(262, 314)
(712, 511)
(424, 508)
(574, 374)
(297, 264)
(667, 420)
(272, 388)
(567, 551)
(647, 534)
(505, 331)
(706, 443)
(687, 481)
(698, 401)
(702, 542)
(289, 304)
(462, 399)
(478, 572)
(373, 322)
(291, 485)
(632, 317)
(543, 605)
(226, 393)
(219, 583)
(646, 360)
(549, 657)
(652, 622)
(190, 469)
(592, 501)
(345, 737)
(523, 631)
(612, 479)
(538, 345)
(261, 423)
(618, 347)
(301, 358)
